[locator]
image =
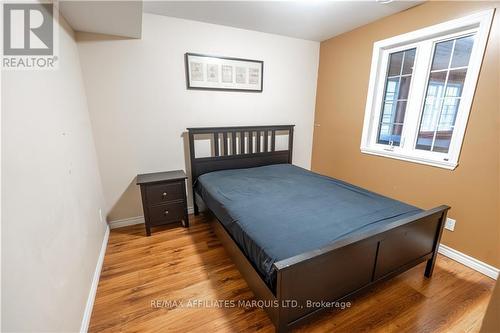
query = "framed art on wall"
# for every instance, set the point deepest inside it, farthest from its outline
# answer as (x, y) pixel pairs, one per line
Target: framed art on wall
(223, 73)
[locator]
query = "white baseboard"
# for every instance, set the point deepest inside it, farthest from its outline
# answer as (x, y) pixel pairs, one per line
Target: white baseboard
(134, 220)
(95, 282)
(468, 261)
(126, 222)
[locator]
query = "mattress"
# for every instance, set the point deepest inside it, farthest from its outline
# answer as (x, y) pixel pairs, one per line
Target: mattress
(278, 211)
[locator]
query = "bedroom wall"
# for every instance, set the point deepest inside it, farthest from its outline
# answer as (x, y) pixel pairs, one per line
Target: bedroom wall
(472, 190)
(140, 106)
(51, 195)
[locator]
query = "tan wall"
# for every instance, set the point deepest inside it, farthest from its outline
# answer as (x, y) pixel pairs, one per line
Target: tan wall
(472, 190)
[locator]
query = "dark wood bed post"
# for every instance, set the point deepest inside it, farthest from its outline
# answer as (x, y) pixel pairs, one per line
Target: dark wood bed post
(429, 267)
(335, 272)
(193, 171)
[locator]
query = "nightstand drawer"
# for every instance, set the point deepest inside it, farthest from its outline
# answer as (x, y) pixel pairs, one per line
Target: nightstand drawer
(163, 198)
(167, 213)
(161, 193)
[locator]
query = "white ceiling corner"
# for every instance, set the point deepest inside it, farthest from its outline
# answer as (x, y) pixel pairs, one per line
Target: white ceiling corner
(117, 18)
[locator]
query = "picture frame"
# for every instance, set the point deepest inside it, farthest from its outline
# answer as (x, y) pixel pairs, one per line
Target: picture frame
(207, 72)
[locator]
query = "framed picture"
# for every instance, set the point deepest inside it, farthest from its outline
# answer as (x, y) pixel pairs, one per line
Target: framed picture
(223, 73)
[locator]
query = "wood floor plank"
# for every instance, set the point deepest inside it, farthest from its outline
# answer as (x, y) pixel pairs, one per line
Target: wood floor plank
(143, 276)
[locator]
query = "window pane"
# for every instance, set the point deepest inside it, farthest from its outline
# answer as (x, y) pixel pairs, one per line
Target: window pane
(399, 115)
(384, 133)
(446, 124)
(396, 134)
(395, 63)
(391, 125)
(387, 113)
(404, 87)
(448, 114)
(456, 80)
(396, 92)
(408, 61)
(442, 55)
(442, 141)
(443, 94)
(462, 52)
(391, 89)
(394, 115)
(430, 115)
(424, 140)
(436, 84)
(390, 133)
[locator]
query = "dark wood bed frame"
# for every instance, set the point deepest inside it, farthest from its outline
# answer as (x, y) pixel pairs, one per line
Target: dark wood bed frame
(332, 273)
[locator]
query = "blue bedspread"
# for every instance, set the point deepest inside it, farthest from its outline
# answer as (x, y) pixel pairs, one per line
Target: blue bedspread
(278, 211)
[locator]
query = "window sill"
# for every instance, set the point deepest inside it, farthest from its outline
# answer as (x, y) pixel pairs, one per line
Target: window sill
(413, 159)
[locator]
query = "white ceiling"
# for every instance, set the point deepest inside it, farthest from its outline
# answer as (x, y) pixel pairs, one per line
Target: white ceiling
(118, 18)
(308, 19)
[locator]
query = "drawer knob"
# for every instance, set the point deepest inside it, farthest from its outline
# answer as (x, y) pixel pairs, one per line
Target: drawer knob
(166, 212)
(164, 194)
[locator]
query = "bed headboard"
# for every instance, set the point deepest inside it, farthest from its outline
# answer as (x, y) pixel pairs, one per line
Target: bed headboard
(229, 151)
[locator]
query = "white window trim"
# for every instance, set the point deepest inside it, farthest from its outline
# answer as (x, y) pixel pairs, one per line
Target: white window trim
(480, 24)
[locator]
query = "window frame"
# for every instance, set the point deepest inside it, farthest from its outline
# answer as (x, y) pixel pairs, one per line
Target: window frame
(425, 41)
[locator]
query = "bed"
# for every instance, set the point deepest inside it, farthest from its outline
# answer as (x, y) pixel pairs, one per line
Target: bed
(298, 237)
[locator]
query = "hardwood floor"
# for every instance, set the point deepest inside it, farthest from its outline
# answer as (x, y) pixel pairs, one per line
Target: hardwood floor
(145, 279)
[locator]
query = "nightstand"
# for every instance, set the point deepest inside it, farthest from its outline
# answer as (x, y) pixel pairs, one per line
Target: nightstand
(163, 198)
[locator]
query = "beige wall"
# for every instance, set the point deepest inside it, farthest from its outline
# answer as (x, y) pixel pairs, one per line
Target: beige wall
(472, 190)
(51, 195)
(140, 106)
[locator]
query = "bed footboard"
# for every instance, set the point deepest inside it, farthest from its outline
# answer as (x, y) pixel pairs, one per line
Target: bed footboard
(355, 263)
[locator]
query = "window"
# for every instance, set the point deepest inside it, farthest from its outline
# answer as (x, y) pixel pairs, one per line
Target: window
(397, 87)
(421, 89)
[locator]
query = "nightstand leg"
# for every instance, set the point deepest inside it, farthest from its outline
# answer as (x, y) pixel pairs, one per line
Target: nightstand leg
(148, 231)
(186, 221)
